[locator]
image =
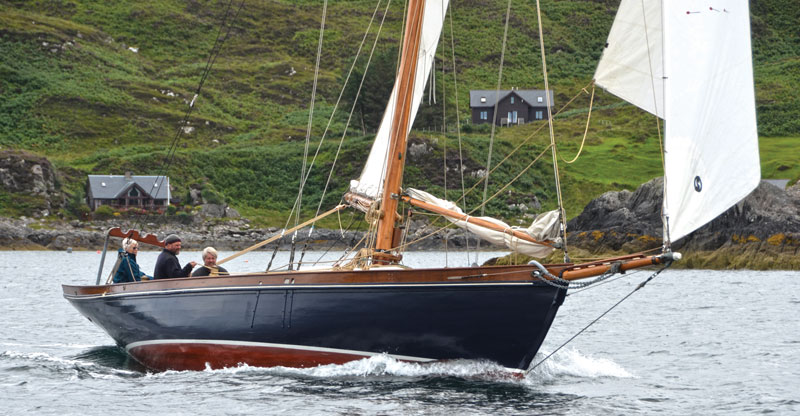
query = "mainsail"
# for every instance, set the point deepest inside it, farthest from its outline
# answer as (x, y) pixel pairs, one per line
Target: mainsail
(370, 184)
(707, 99)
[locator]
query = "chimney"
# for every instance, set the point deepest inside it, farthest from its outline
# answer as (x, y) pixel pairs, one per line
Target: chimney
(128, 176)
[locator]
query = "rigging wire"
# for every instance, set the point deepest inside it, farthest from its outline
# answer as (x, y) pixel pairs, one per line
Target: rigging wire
(639, 286)
(350, 115)
(494, 118)
(212, 58)
(458, 118)
(308, 131)
(563, 213)
(333, 113)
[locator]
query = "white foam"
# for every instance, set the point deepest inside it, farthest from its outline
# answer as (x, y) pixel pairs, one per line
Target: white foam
(572, 362)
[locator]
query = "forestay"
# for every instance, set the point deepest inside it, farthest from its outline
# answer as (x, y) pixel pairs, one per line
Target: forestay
(370, 184)
(708, 99)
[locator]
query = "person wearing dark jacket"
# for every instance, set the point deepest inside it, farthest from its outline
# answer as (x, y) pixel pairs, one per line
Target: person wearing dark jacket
(210, 267)
(128, 270)
(167, 265)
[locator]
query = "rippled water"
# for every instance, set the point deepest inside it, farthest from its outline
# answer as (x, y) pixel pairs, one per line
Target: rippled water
(690, 342)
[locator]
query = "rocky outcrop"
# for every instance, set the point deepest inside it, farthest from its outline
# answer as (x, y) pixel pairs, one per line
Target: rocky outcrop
(766, 221)
(32, 177)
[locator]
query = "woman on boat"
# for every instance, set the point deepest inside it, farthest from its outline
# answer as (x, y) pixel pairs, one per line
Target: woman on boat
(210, 267)
(128, 270)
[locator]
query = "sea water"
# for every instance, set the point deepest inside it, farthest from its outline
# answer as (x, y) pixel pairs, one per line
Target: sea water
(689, 342)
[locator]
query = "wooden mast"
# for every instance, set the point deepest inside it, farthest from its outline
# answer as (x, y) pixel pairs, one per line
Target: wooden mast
(399, 132)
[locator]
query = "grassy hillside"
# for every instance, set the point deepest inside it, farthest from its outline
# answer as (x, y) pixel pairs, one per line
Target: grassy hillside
(101, 88)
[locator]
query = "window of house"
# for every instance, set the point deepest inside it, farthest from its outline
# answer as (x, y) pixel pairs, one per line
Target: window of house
(512, 100)
(514, 117)
(133, 192)
(483, 99)
(484, 115)
(539, 98)
(538, 115)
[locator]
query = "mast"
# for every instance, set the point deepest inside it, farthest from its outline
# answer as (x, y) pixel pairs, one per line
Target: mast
(399, 133)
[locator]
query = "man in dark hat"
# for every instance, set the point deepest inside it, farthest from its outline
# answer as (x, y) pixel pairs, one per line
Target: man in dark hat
(167, 265)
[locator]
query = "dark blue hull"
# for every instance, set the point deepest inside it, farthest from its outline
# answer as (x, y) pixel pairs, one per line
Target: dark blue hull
(193, 325)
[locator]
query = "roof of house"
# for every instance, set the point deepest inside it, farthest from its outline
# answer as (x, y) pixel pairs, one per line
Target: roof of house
(489, 100)
(114, 186)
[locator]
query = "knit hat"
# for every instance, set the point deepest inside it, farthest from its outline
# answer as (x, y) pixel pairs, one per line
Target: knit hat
(172, 238)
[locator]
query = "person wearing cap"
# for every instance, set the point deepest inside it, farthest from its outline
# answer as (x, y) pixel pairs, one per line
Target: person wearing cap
(128, 270)
(167, 265)
(210, 267)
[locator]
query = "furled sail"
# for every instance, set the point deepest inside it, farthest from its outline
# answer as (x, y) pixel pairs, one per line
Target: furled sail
(545, 227)
(370, 184)
(711, 139)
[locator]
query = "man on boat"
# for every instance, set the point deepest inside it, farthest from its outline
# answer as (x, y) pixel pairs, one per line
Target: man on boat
(167, 265)
(210, 267)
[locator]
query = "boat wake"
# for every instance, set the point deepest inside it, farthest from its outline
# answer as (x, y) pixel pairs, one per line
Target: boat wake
(568, 363)
(97, 362)
(572, 363)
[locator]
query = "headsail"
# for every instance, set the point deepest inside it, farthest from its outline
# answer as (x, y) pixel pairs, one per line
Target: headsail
(631, 64)
(711, 138)
(370, 183)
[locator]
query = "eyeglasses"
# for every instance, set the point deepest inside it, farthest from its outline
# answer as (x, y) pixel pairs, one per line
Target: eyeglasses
(135, 248)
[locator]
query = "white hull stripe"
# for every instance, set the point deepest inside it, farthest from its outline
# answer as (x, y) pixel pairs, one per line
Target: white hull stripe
(292, 287)
(133, 345)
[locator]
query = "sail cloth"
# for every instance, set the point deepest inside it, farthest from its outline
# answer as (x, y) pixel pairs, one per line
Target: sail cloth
(370, 184)
(544, 227)
(630, 67)
(711, 139)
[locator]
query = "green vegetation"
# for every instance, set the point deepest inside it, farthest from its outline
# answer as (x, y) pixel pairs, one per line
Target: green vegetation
(102, 87)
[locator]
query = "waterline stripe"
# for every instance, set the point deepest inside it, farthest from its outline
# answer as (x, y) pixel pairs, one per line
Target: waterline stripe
(271, 345)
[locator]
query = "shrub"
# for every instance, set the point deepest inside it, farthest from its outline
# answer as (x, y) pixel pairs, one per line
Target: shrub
(103, 212)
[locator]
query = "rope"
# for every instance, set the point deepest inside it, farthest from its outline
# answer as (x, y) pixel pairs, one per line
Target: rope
(585, 131)
(494, 119)
(308, 131)
(563, 213)
(212, 58)
(458, 117)
(304, 179)
(639, 286)
(664, 210)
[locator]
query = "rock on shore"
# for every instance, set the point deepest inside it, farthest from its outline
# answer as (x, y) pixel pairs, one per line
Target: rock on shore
(762, 231)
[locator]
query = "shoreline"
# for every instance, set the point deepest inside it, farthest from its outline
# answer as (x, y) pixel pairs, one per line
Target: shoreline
(48, 235)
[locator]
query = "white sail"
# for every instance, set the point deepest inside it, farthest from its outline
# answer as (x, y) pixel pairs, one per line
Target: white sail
(711, 144)
(370, 184)
(544, 227)
(711, 139)
(630, 67)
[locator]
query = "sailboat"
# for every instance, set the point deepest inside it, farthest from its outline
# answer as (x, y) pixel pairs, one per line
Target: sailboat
(688, 65)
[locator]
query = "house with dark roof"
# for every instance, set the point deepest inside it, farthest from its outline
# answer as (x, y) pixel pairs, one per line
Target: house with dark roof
(514, 106)
(128, 191)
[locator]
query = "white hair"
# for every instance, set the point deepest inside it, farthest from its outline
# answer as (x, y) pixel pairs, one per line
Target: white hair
(209, 250)
(127, 242)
